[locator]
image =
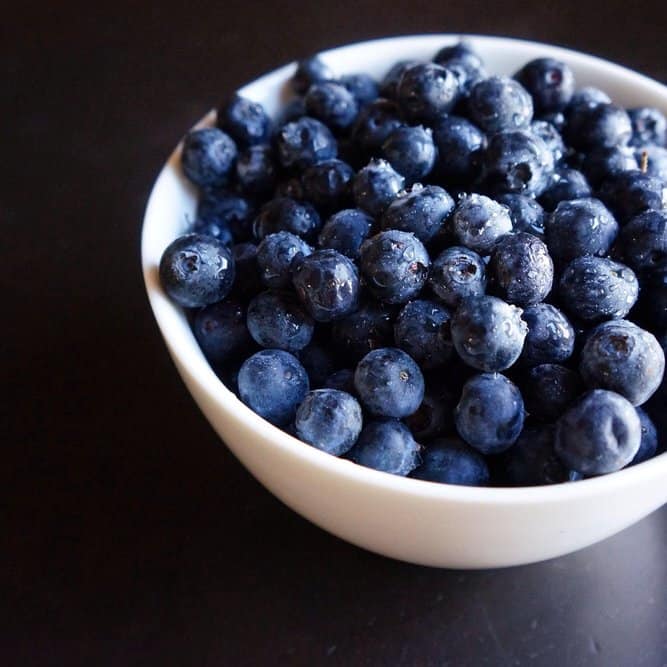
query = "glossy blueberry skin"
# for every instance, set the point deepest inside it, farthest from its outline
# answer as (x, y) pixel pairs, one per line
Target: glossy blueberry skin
(549, 81)
(304, 142)
(550, 338)
(554, 118)
(244, 121)
(221, 331)
(648, 446)
(435, 415)
(275, 256)
(208, 157)
(587, 97)
(375, 123)
(422, 330)
(318, 360)
(532, 460)
(644, 242)
(256, 171)
(580, 227)
(376, 186)
(526, 213)
(629, 193)
(309, 71)
(498, 104)
(273, 383)
(549, 389)
(394, 265)
(521, 269)
(478, 222)
(327, 184)
(488, 333)
(342, 380)
(368, 328)
(277, 320)
(457, 273)
(622, 357)
(411, 152)
(327, 284)
(196, 270)
(656, 160)
(389, 83)
(490, 413)
(602, 162)
(600, 433)
(363, 87)
(329, 420)
(345, 231)
(224, 215)
(457, 52)
(333, 104)
(421, 211)
(601, 125)
(551, 137)
(426, 91)
(286, 214)
(597, 288)
(247, 282)
(387, 446)
(649, 126)
(389, 383)
(565, 185)
(517, 162)
(459, 144)
(451, 461)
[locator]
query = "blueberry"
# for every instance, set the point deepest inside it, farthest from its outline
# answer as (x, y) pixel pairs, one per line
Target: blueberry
(387, 446)
(628, 193)
(649, 442)
(521, 269)
(622, 357)
(490, 414)
(564, 185)
(309, 71)
(421, 211)
(196, 270)
(435, 415)
(554, 118)
(597, 288)
(208, 157)
(517, 162)
(319, 363)
(411, 152)
(451, 461)
(394, 265)
(459, 144)
(363, 87)
(461, 51)
(345, 231)
(285, 214)
(549, 389)
(218, 212)
(426, 91)
(290, 187)
(653, 299)
(587, 97)
(327, 184)
(600, 433)
(389, 383)
(275, 256)
(247, 282)
(389, 83)
(376, 186)
(277, 320)
(327, 284)
(549, 81)
(368, 328)
(600, 125)
(649, 126)
(532, 461)
(498, 103)
(342, 380)
(551, 137)
(456, 274)
(214, 226)
(256, 170)
(333, 104)
(478, 222)
(550, 338)
(526, 213)
(602, 162)
(329, 420)
(656, 160)
(488, 333)
(304, 142)
(580, 227)
(245, 121)
(422, 330)
(644, 242)
(273, 383)
(375, 123)
(221, 331)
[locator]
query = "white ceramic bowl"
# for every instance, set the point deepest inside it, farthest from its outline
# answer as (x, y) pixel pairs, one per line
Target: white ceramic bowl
(416, 521)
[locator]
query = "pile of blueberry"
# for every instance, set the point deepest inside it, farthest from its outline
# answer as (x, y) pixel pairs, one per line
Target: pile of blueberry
(445, 274)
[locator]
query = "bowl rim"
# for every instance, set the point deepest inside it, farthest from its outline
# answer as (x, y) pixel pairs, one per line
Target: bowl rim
(188, 356)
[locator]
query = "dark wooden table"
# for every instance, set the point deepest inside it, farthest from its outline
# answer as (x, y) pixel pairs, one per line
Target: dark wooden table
(128, 534)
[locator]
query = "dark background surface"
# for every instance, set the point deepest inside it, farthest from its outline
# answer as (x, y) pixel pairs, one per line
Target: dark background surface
(128, 534)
